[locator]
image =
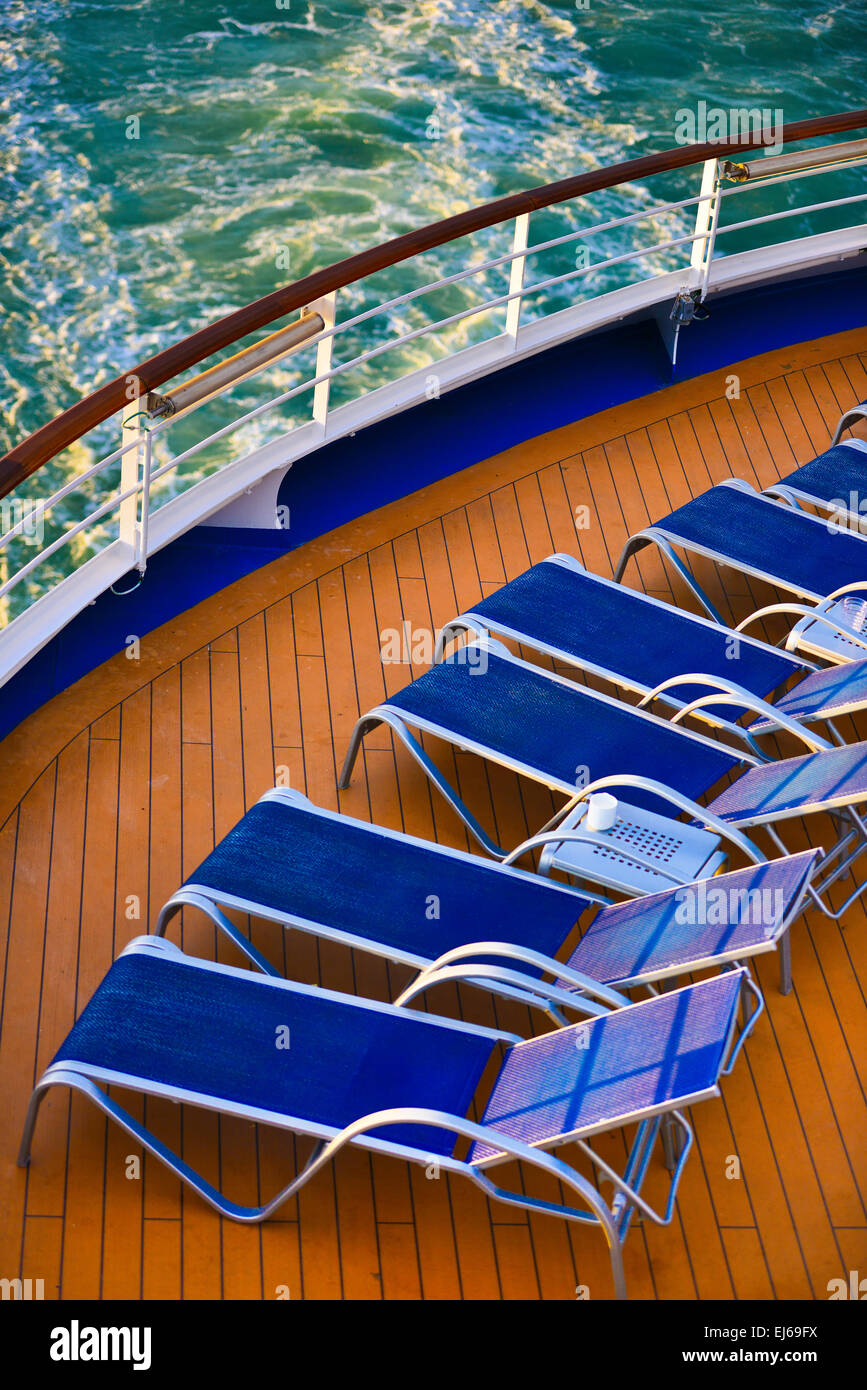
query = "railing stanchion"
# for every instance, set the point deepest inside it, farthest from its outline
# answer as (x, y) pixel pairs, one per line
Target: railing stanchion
(706, 220)
(327, 308)
(142, 556)
(516, 277)
(132, 433)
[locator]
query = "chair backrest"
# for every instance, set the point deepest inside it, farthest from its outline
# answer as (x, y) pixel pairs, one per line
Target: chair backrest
(834, 777)
(344, 874)
(649, 1057)
(769, 538)
(696, 921)
(833, 688)
(626, 633)
(572, 734)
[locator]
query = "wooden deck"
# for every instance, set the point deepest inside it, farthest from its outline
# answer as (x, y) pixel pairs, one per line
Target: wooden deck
(111, 794)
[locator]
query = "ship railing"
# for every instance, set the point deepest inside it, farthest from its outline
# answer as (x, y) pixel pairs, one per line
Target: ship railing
(131, 473)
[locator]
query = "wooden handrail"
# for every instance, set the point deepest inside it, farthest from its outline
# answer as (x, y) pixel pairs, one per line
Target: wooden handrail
(65, 429)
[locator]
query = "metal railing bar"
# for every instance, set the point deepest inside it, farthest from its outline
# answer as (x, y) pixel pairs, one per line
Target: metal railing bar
(791, 212)
(46, 442)
(434, 286)
(579, 234)
(381, 348)
(536, 285)
(71, 486)
(506, 259)
(156, 474)
(107, 506)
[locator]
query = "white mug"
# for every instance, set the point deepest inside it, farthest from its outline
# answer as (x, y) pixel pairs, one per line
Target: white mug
(601, 811)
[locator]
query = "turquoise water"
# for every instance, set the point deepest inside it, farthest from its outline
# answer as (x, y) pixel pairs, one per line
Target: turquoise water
(299, 133)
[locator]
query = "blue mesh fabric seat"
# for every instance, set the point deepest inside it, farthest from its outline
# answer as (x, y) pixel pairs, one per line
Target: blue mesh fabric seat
(570, 613)
(786, 547)
(559, 608)
(543, 726)
(626, 1064)
(729, 917)
(299, 865)
(539, 725)
(520, 715)
(833, 476)
(165, 1020)
(770, 540)
(293, 862)
(344, 1070)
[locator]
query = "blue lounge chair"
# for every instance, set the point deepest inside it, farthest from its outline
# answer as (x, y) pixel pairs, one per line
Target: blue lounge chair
(724, 920)
(576, 741)
(297, 864)
(427, 906)
(650, 648)
(770, 540)
(835, 482)
(347, 1071)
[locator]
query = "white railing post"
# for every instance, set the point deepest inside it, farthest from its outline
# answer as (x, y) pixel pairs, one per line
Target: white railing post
(706, 220)
(327, 308)
(142, 553)
(516, 277)
(132, 432)
(4, 576)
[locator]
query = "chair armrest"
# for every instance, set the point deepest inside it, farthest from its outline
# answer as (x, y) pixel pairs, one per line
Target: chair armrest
(803, 610)
(723, 692)
(526, 956)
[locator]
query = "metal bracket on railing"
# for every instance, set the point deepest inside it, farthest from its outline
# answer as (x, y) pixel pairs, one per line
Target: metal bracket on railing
(795, 162)
(735, 173)
(685, 309)
(235, 368)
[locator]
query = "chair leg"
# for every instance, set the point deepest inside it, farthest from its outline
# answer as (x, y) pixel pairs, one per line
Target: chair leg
(65, 1076)
(362, 727)
(672, 1142)
(619, 1274)
(786, 962)
(30, 1124)
(190, 897)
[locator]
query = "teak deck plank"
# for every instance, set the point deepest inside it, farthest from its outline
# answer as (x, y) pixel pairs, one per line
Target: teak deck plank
(102, 1239)
(28, 844)
(153, 760)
